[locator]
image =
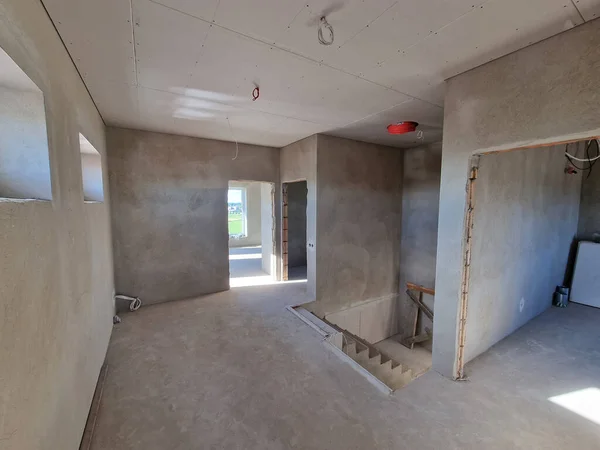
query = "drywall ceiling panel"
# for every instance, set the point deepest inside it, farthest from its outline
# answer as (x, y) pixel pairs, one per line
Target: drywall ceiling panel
(374, 128)
(203, 9)
(201, 117)
(117, 102)
(290, 85)
(347, 18)
(403, 25)
(168, 45)
(589, 9)
(404, 74)
(98, 36)
(262, 19)
(453, 50)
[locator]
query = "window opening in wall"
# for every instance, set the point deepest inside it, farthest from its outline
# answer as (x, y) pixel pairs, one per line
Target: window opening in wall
(91, 171)
(236, 213)
(24, 160)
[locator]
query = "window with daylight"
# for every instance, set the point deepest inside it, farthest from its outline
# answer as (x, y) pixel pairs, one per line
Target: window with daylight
(91, 171)
(24, 160)
(237, 213)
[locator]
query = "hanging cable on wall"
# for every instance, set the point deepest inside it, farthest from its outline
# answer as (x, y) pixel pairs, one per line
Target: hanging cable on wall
(591, 161)
(237, 150)
(323, 24)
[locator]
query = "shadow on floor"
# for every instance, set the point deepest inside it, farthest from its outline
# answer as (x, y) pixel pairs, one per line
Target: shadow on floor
(297, 273)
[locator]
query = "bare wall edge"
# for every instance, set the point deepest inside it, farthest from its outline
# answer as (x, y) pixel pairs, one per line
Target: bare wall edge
(358, 227)
(507, 103)
(56, 267)
(418, 242)
(169, 210)
(299, 162)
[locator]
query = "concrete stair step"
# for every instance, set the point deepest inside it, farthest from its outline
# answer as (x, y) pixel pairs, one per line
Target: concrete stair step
(388, 371)
(401, 378)
(350, 349)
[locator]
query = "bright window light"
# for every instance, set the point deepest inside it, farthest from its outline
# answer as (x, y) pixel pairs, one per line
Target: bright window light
(91, 171)
(237, 213)
(260, 280)
(24, 159)
(584, 402)
(249, 256)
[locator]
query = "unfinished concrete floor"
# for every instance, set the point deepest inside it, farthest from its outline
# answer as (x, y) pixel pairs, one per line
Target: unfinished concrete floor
(236, 370)
(246, 262)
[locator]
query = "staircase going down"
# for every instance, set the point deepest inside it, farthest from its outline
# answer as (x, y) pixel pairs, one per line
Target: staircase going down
(390, 372)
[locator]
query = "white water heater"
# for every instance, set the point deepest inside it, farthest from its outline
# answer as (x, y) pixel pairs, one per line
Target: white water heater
(586, 278)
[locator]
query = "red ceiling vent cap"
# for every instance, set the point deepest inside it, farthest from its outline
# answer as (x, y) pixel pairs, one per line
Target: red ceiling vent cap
(402, 127)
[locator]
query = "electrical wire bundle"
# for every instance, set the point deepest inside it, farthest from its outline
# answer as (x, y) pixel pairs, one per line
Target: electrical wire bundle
(591, 161)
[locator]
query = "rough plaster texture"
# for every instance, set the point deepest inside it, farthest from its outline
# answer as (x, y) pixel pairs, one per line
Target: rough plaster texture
(253, 214)
(235, 370)
(55, 264)
(24, 159)
(507, 103)
(418, 245)
(525, 218)
(298, 163)
(297, 198)
(358, 224)
(169, 210)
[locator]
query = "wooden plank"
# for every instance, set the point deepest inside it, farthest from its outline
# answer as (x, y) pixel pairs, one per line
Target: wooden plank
(422, 306)
(418, 288)
(416, 339)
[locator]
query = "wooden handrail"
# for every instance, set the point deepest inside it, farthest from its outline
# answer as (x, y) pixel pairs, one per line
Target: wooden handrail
(416, 287)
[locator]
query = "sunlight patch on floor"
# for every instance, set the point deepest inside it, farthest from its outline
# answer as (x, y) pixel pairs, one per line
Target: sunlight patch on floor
(584, 402)
(248, 256)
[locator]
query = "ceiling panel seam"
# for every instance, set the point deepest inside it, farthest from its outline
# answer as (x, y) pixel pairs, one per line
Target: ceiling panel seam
(578, 12)
(72, 61)
(367, 25)
(216, 9)
(197, 60)
(437, 31)
(295, 16)
(299, 55)
(134, 42)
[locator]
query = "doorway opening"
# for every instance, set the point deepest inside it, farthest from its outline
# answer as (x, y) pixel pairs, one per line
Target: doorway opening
(251, 228)
(526, 211)
(295, 198)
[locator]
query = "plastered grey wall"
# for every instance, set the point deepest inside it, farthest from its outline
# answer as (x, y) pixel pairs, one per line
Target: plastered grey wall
(253, 214)
(418, 246)
(297, 224)
(299, 162)
(169, 210)
(55, 264)
(544, 93)
(358, 222)
(525, 218)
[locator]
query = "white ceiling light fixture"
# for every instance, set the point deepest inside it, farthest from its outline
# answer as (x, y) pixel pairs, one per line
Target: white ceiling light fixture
(324, 24)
